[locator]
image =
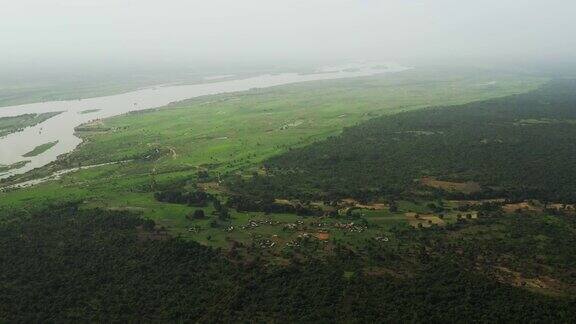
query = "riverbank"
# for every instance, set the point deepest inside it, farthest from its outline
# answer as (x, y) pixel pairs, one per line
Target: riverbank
(62, 127)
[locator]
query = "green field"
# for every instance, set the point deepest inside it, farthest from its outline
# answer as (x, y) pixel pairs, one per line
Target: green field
(234, 132)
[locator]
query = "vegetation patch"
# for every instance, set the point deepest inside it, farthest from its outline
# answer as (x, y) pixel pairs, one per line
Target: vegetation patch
(523, 206)
(41, 149)
(17, 123)
(402, 272)
(472, 145)
(191, 129)
(88, 111)
(464, 187)
(307, 224)
(17, 165)
(423, 220)
(93, 126)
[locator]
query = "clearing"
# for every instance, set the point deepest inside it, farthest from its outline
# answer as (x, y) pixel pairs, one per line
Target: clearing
(464, 187)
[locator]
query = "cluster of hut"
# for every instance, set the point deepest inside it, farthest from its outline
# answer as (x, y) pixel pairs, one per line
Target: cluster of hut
(257, 223)
(351, 227)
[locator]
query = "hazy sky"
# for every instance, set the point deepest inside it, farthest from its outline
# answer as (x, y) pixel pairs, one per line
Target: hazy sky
(42, 31)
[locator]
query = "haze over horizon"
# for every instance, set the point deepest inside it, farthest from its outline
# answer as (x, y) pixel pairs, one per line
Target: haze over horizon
(83, 32)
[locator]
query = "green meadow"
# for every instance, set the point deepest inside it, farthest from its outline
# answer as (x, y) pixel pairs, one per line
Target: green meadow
(231, 134)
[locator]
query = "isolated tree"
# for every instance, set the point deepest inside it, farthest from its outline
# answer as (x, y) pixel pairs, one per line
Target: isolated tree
(393, 207)
(198, 214)
(223, 213)
(203, 175)
(149, 225)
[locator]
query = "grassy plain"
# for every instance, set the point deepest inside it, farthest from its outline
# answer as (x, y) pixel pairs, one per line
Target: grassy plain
(232, 133)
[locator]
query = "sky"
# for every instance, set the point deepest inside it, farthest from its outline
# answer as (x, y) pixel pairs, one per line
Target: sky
(197, 31)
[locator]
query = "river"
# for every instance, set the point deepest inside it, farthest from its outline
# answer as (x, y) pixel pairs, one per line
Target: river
(61, 127)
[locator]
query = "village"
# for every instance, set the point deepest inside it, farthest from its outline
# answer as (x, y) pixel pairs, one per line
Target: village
(351, 222)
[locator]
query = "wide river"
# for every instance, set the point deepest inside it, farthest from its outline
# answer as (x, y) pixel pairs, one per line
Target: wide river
(61, 127)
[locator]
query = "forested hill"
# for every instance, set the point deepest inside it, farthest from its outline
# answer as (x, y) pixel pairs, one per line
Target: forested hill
(520, 145)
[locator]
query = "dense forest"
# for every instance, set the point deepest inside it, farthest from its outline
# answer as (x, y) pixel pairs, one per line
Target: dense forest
(66, 264)
(520, 146)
